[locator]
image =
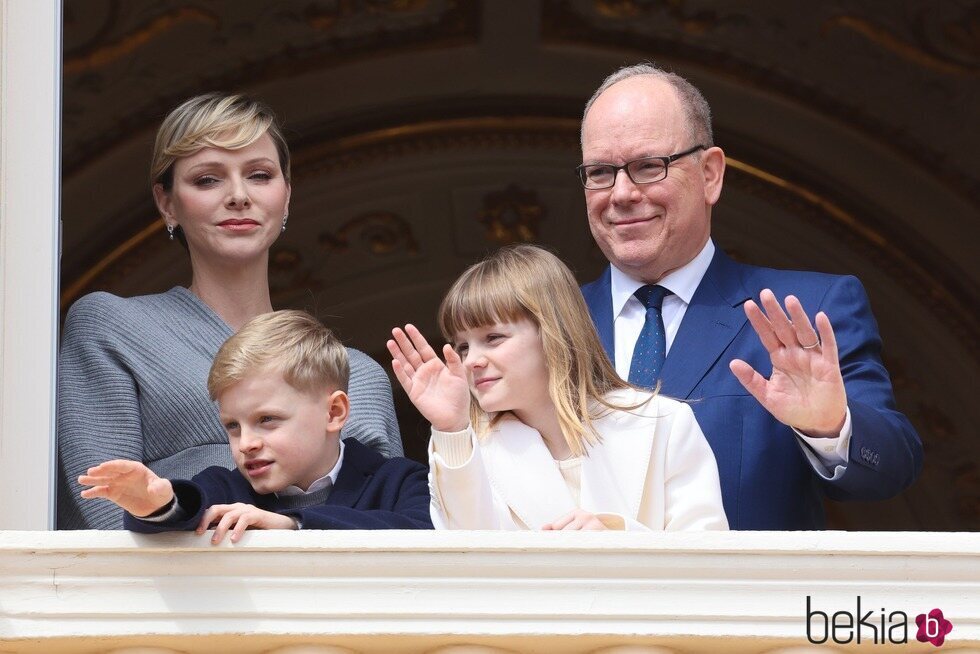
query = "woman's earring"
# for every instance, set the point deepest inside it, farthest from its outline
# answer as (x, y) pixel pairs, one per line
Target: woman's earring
(285, 217)
(170, 231)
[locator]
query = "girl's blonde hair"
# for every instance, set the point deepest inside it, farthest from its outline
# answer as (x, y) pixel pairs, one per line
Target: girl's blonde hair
(525, 281)
(307, 354)
(213, 120)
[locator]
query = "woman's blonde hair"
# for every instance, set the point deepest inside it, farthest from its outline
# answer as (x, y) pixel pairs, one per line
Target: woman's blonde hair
(526, 281)
(213, 120)
(307, 354)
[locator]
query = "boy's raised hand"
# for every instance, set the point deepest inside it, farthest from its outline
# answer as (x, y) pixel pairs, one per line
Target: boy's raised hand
(130, 484)
(440, 391)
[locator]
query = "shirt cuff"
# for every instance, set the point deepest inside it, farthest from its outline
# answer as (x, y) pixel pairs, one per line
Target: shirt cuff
(454, 448)
(828, 456)
(612, 521)
(172, 511)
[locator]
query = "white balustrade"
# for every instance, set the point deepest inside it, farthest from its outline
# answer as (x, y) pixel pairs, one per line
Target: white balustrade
(564, 593)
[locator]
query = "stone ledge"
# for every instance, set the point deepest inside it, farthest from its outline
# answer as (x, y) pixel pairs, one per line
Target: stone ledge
(394, 591)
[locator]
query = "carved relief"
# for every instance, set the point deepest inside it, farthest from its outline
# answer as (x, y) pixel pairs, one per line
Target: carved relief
(512, 215)
(287, 275)
(378, 232)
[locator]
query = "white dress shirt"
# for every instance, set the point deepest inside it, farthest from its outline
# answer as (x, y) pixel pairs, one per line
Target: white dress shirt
(629, 315)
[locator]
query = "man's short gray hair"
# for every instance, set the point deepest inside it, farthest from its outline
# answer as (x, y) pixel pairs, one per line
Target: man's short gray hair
(696, 108)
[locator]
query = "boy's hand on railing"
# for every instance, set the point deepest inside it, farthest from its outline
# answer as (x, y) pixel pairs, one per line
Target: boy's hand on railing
(239, 517)
(130, 484)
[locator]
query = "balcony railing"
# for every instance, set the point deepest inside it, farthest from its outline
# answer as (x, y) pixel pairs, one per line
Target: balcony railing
(397, 591)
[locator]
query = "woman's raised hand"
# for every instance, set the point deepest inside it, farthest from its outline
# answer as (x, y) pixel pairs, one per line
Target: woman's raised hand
(438, 390)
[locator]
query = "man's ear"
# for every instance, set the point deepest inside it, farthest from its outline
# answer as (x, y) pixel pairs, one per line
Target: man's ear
(164, 204)
(338, 408)
(713, 166)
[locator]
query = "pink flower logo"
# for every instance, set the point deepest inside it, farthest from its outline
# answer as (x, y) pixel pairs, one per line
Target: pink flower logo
(933, 627)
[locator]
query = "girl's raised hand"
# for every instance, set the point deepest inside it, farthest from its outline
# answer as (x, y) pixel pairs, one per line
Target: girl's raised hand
(438, 390)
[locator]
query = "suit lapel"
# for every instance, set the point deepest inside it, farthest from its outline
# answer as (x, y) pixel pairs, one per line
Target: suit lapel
(353, 478)
(522, 471)
(598, 297)
(711, 322)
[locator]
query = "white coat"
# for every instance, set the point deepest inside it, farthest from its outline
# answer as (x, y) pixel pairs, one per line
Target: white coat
(653, 469)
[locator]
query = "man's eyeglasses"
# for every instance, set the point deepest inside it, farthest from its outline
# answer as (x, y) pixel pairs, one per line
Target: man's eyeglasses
(642, 171)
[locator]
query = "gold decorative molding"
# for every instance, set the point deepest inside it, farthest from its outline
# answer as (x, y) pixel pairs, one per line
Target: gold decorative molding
(102, 55)
(617, 8)
(693, 23)
(511, 215)
(911, 52)
(86, 280)
(327, 19)
(471, 133)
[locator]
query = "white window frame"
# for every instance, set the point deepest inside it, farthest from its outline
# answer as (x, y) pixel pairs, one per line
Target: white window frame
(30, 194)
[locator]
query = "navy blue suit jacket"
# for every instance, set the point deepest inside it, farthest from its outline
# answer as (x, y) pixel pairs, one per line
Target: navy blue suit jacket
(766, 480)
(371, 492)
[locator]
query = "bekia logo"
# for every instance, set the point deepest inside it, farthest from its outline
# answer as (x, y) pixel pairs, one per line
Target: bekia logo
(933, 627)
(879, 628)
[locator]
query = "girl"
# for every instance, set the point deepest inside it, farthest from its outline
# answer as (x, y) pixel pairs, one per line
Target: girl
(554, 439)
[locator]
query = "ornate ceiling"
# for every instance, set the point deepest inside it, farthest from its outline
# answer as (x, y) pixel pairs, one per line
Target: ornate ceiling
(425, 132)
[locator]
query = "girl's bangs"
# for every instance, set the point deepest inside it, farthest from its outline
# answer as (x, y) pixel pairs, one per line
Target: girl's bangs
(478, 299)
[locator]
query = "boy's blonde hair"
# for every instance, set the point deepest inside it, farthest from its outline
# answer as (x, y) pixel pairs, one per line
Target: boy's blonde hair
(295, 343)
(526, 281)
(213, 120)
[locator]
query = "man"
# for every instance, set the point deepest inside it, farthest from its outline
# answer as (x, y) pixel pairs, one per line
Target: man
(793, 410)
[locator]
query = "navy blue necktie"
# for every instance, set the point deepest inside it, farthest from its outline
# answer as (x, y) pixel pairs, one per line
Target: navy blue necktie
(651, 346)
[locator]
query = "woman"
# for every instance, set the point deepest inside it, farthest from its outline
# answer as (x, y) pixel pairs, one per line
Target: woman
(133, 371)
(554, 440)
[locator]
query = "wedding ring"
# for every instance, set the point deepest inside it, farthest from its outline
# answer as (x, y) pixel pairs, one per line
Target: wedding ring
(810, 347)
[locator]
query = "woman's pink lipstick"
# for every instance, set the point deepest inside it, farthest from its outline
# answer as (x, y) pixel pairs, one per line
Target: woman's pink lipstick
(238, 225)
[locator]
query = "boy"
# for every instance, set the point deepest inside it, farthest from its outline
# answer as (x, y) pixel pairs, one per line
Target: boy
(280, 386)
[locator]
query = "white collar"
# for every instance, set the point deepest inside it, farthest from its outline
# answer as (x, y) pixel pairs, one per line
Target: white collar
(327, 480)
(682, 282)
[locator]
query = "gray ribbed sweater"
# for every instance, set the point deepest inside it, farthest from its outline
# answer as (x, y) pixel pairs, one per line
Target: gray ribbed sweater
(132, 384)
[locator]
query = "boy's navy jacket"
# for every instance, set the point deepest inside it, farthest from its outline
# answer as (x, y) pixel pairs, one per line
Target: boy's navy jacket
(371, 493)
